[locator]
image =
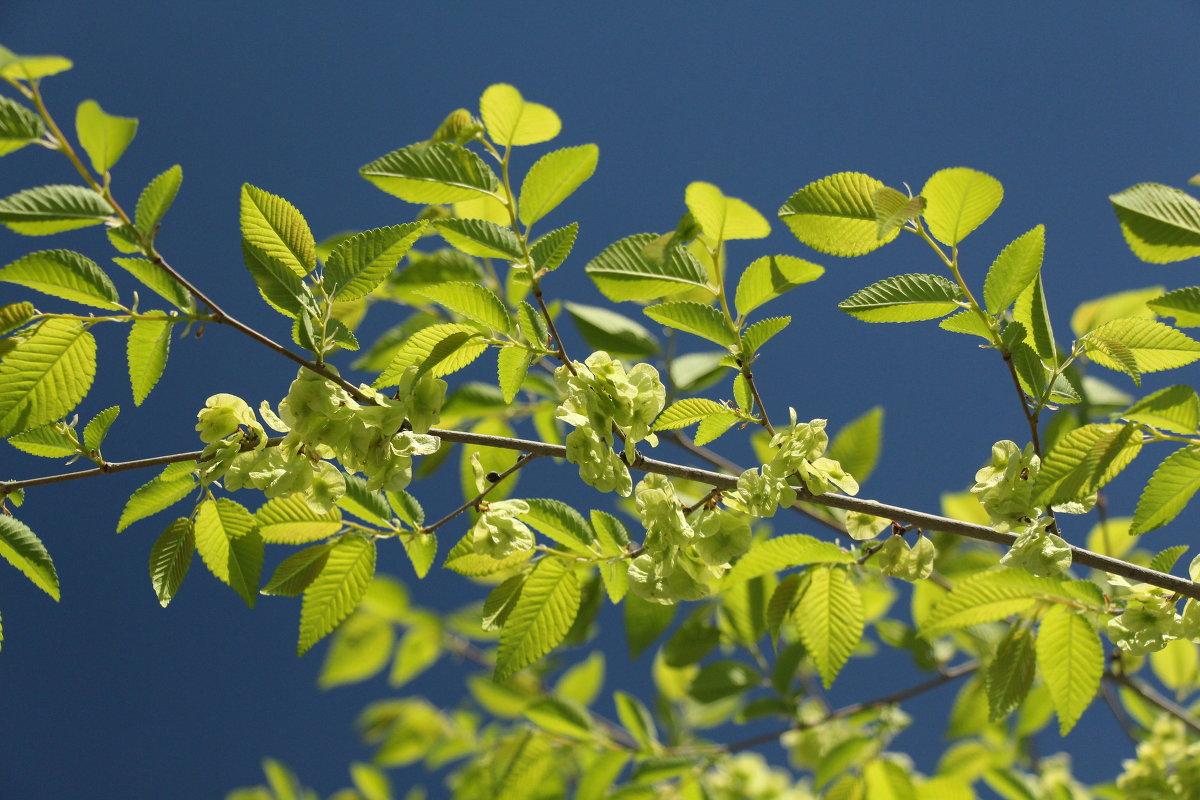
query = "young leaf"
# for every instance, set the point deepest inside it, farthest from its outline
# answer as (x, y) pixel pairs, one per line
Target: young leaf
(836, 215)
(438, 172)
(895, 209)
(712, 428)
(22, 548)
(1175, 409)
(296, 572)
(512, 364)
(406, 507)
(290, 520)
(478, 237)
(104, 137)
(46, 375)
(463, 559)
(55, 440)
(335, 594)
(1132, 303)
(541, 618)
(419, 649)
(30, 68)
(18, 126)
(170, 557)
(1164, 560)
(439, 348)
(630, 269)
(1071, 660)
(686, 412)
(370, 506)
(156, 198)
(278, 284)
(698, 318)
(966, 321)
(1030, 310)
(1084, 460)
(856, 446)
(723, 218)
(1160, 223)
(156, 279)
(477, 303)
(229, 545)
(561, 523)
(904, 298)
(553, 178)
(149, 344)
(1182, 304)
(830, 620)
(1014, 269)
(66, 274)
(360, 649)
(1010, 674)
(760, 332)
(782, 552)
(421, 549)
(159, 493)
(361, 262)
(1154, 346)
(771, 276)
(97, 429)
(616, 334)
(551, 249)
(275, 228)
(511, 120)
(988, 596)
(53, 209)
(1170, 488)
(14, 315)
(958, 200)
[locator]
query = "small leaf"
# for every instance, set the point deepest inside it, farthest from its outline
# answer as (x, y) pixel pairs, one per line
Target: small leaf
(1164, 560)
(18, 126)
(723, 218)
(1084, 460)
(1031, 311)
(551, 249)
(772, 276)
(1160, 223)
(829, 617)
(1014, 269)
(359, 650)
(442, 349)
(361, 262)
(541, 618)
(1182, 304)
(1170, 488)
(477, 303)
(630, 269)
(616, 334)
(856, 446)
(158, 280)
(561, 523)
(149, 344)
(712, 428)
(21, 547)
(66, 274)
(46, 375)
(782, 552)
(170, 557)
(478, 237)
(278, 284)
(636, 718)
(698, 318)
(53, 209)
(97, 429)
(958, 200)
(439, 172)
(988, 596)
(511, 120)
(1010, 674)
(369, 506)
(55, 440)
(230, 546)
(275, 228)
(421, 549)
(104, 137)
(14, 315)
(1154, 346)
(296, 572)
(156, 198)
(722, 679)
(159, 493)
(291, 520)
(1132, 303)
(760, 332)
(686, 412)
(553, 178)
(836, 215)
(895, 209)
(30, 68)
(1175, 409)
(966, 321)
(904, 298)
(335, 594)
(512, 364)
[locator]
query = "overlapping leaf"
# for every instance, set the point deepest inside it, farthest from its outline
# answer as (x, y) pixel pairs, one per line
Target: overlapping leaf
(228, 542)
(440, 172)
(66, 274)
(21, 547)
(46, 375)
(782, 552)
(477, 303)
(1010, 675)
(635, 269)
(1070, 659)
(686, 412)
(698, 318)
(1175, 409)
(478, 237)
(159, 493)
(360, 263)
(1160, 223)
(991, 595)
(156, 279)
(274, 227)
(904, 298)
(147, 350)
(512, 120)
(830, 620)
(760, 332)
(297, 572)
(1170, 488)
(1084, 460)
(18, 126)
(723, 218)
(1182, 304)
(170, 558)
(1016, 266)
(290, 520)
(1154, 346)
(335, 594)
(771, 276)
(541, 618)
(836, 215)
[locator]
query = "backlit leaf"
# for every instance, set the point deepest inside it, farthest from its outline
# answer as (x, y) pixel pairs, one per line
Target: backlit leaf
(551, 249)
(296, 572)
(857, 445)
(685, 412)
(478, 237)
(54, 440)
(1132, 303)
(553, 178)
(782, 552)
(163, 491)
(904, 298)
(291, 520)
(419, 649)
(156, 279)
(439, 172)
(541, 618)
(53, 209)
(1010, 674)
(1031, 311)
(512, 120)
(335, 594)
(1160, 223)
(721, 679)
(560, 522)
(14, 315)
(21, 547)
(1154, 345)
(477, 303)
(723, 218)
(170, 557)
(760, 332)
(441, 349)
(895, 209)
(512, 363)
(830, 620)
(18, 126)
(713, 427)
(1182, 304)
(632, 269)
(46, 375)
(104, 137)
(958, 200)
(66, 274)
(30, 68)
(698, 318)
(360, 648)
(361, 262)
(616, 334)
(1084, 460)
(988, 596)
(156, 198)
(96, 430)
(149, 344)
(1070, 658)
(1170, 488)
(278, 284)
(229, 545)
(771, 276)
(1014, 269)
(836, 215)
(1175, 409)
(274, 227)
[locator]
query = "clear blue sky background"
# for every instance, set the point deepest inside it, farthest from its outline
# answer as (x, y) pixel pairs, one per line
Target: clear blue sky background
(108, 695)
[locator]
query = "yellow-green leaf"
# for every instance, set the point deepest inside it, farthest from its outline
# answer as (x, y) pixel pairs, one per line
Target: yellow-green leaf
(156, 279)
(159, 493)
(1154, 346)
(30, 68)
(156, 198)
(438, 172)
(553, 178)
(698, 318)
(957, 201)
(1170, 488)
(723, 218)
(637, 268)
(335, 594)
(46, 375)
(66, 274)
(358, 650)
(1070, 659)
(1132, 303)
(230, 546)
(104, 137)
(291, 520)
(782, 552)
(21, 547)
(511, 120)
(440, 348)
(1175, 409)
(904, 298)
(829, 617)
(361, 262)
(836, 215)
(274, 227)
(170, 558)
(1014, 269)
(1160, 223)
(771, 276)
(541, 618)
(685, 412)
(477, 303)
(149, 344)
(18, 126)
(53, 209)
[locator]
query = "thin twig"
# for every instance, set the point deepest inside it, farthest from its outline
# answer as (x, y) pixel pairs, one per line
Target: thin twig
(1151, 695)
(474, 501)
(1124, 721)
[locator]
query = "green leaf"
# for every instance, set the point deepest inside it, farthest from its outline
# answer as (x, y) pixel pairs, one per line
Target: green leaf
(1182, 304)
(1030, 310)
(760, 332)
(511, 120)
(406, 507)
(1170, 488)
(18, 126)
(158, 280)
(278, 284)
(694, 372)
(1175, 409)
(1010, 674)
(966, 321)
(722, 679)
(632, 269)
(14, 315)
(149, 343)
(22, 548)
(275, 228)
(170, 557)
(723, 218)
(512, 364)
(698, 318)
(904, 298)
(561, 717)
(533, 325)
(160, 493)
(1160, 223)
(598, 777)
(686, 412)
(335, 594)
(439, 172)
(296, 572)
(1154, 346)
(988, 596)
(359, 649)
(361, 262)
(836, 215)
(895, 209)
(551, 249)
(291, 520)
(1132, 303)
(1070, 659)
(419, 649)
(856, 446)
(712, 428)
(553, 178)
(782, 552)
(616, 334)
(440, 348)
(104, 137)
(1164, 560)
(156, 198)
(1084, 460)
(478, 237)
(957, 201)
(561, 523)
(1014, 269)
(96, 430)
(636, 718)
(830, 620)
(66, 274)
(370, 506)
(56, 440)
(541, 618)
(645, 622)
(53, 209)
(46, 375)
(772, 276)
(477, 303)
(229, 544)
(463, 559)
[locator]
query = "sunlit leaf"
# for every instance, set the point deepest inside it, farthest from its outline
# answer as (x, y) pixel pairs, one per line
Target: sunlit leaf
(156, 198)
(66, 274)
(1014, 269)
(46, 375)
(229, 545)
(170, 557)
(616, 334)
(723, 218)
(21, 547)
(440, 172)
(147, 349)
(1084, 460)
(1175, 409)
(104, 137)
(162, 492)
(1160, 223)
(541, 617)
(830, 620)
(553, 178)
(698, 318)
(958, 200)
(631, 269)
(335, 594)
(904, 298)
(361, 262)
(512, 120)
(781, 552)
(771, 276)
(1170, 488)
(836, 215)
(18, 126)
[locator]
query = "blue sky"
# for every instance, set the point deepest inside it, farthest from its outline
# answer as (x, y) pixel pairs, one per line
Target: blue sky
(106, 694)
